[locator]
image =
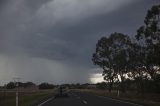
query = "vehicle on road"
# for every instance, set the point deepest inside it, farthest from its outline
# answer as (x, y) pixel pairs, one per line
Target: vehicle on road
(61, 91)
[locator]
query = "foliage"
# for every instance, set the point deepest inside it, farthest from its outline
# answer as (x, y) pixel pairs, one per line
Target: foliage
(125, 61)
(112, 54)
(10, 85)
(46, 86)
(101, 85)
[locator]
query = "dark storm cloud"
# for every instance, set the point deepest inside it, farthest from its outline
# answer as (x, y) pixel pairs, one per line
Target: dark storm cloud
(35, 4)
(59, 36)
(80, 38)
(3, 2)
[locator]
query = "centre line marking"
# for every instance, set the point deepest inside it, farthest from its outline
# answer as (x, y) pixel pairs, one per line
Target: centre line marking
(45, 101)
(85, 102)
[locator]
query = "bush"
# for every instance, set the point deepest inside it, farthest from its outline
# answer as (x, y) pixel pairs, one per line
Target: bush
(101, 85)
(11, 85)
(46, 86)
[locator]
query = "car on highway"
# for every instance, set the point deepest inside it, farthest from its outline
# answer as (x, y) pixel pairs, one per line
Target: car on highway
(61, 91)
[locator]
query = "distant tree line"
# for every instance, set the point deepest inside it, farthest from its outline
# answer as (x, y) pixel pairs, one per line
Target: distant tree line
(13, 85)
(132, 63)
(46, 86)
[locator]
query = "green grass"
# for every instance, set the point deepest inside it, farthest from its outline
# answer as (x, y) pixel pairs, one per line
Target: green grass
(25, 97)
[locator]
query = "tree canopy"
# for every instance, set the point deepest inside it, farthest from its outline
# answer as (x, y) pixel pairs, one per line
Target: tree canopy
(123, 59)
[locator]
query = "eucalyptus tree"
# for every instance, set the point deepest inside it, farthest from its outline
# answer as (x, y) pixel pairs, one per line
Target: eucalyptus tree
(112, 55)
(103, 58)
(149, 36)
(121, 56)
(149, 33)
(136, 66)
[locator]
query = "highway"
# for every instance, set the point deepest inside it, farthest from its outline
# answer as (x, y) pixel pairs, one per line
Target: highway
(84, 99)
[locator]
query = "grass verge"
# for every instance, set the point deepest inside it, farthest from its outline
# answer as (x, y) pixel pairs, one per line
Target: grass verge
(26, 98)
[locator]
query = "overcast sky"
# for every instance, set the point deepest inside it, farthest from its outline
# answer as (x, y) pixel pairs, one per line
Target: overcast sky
(53, 40)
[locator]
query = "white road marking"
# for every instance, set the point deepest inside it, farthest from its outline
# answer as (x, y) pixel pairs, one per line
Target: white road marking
(119, 100)
(78, 97)
(46, 101)
(85, 102)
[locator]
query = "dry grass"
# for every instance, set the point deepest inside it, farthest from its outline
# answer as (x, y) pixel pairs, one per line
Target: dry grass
(26, 97)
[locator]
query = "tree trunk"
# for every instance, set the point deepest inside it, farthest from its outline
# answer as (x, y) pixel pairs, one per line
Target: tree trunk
(122, 84)
(111, 86)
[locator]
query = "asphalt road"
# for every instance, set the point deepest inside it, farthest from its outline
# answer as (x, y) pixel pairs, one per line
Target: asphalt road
(84, 99)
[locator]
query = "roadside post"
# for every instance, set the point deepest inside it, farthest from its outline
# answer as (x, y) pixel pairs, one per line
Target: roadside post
(118, 93)
(16, 80)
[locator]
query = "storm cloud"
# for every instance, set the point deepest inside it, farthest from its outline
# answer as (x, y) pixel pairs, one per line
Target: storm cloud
(53, 40)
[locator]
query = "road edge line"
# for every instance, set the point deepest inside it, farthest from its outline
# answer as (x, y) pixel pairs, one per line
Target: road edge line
(84, 101)
(119, 100)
